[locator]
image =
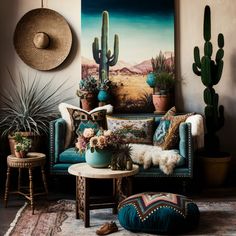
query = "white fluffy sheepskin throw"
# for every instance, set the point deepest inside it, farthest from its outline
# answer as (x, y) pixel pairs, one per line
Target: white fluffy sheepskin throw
(197, 129)
(148, 155)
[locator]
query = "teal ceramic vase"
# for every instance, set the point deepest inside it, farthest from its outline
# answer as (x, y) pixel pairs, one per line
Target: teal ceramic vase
(100, 158)
(151, 80)
(103, 96)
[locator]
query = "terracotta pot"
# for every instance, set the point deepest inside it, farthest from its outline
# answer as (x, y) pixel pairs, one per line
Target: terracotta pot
(161, 103)
(20, 154)
(35, 142)
(89, 102)
(215, 170)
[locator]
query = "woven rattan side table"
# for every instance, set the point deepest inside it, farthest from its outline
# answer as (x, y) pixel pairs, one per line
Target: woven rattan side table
(33, 159)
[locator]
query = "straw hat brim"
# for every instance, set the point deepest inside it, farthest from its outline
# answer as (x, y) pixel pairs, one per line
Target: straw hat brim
(55, 27)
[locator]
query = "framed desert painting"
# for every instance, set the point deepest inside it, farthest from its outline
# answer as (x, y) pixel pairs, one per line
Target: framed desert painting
(144, 29)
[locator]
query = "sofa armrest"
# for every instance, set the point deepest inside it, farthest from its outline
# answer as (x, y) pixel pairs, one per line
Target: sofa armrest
(57, 136)
(186, 145)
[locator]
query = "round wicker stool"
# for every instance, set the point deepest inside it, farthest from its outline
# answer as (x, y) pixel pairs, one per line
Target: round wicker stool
(34, 159)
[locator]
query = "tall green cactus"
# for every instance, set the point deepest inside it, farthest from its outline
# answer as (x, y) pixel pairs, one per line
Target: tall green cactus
(103, 56)
(210, 72)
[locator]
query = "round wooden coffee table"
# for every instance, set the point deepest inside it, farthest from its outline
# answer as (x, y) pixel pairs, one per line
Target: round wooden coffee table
(33, 159)
(84, 202)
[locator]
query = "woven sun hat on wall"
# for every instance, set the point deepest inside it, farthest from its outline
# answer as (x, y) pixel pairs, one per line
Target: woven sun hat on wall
(42, 39)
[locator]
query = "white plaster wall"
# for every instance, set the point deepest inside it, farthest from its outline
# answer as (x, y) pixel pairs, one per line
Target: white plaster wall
(190, 91)
(10, 13)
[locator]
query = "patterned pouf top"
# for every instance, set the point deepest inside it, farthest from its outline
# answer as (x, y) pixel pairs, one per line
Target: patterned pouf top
(159, 213)
(147, 203)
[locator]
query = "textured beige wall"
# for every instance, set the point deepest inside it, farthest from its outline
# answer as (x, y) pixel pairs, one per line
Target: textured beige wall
(190, 91)
(10, 13)
(189, 23)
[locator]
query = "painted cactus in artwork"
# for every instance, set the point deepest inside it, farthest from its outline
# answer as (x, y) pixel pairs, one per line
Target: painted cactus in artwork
(103, 56)
(210, 71)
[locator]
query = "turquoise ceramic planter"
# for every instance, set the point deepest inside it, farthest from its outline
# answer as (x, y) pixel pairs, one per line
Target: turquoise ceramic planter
(103, 96)
(99, 158)
(151, 80)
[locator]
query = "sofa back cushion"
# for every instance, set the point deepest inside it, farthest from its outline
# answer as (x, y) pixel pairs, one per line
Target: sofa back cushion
(132, 130)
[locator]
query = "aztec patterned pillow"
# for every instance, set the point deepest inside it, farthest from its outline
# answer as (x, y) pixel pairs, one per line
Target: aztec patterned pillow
(158, 213)
(167, 133)
(82, 119)
(132, 130)
(161, 131)
(77, 118)
(169, 113)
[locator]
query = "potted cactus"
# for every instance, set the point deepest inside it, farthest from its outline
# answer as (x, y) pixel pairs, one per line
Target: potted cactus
(210, 71)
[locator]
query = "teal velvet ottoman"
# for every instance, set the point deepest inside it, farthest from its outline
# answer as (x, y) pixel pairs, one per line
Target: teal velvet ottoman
(158, 213)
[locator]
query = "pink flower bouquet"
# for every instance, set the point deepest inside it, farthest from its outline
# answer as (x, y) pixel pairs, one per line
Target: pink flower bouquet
(97, 140)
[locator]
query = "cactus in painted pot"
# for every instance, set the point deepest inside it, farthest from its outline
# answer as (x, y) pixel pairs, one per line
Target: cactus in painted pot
(210, 71)
(103, 56)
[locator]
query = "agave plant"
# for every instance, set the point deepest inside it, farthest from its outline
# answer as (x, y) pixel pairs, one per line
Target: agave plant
(29, 106)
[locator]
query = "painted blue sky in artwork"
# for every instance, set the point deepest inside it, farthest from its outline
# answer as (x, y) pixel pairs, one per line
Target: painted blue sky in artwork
(143, 29)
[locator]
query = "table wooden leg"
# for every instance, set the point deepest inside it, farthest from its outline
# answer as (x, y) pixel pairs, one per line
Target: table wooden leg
(129, 186)
(77, 198)
(114, 194)
(7, 186)
(86, 203)
(44, 180)
(118, 191)
(80, 197)
(82, 200)
(31, 193)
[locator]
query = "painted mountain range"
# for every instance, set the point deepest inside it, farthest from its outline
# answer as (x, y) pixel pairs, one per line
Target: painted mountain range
(143, 67)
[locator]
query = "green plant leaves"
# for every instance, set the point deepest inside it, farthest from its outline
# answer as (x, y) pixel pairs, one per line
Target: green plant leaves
(29, 105)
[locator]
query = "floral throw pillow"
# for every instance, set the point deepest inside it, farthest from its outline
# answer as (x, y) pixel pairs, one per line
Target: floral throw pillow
(132, 130)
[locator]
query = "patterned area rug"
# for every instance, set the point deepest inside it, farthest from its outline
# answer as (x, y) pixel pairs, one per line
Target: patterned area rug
(58, 218)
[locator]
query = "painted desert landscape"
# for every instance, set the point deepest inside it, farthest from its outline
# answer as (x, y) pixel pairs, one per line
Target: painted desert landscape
(143, 30)
(132, 93)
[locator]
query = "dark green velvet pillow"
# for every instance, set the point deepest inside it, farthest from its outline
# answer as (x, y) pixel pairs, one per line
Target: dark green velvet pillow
(158, 213)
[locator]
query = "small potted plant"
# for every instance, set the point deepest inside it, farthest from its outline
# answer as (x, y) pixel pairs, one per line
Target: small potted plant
(22, 145)
(164, 84)
(121, 159)
(162, 80)
(87, 92)
(28, 106)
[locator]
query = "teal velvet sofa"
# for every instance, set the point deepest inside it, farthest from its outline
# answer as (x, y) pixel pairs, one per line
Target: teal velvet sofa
(61, 159)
